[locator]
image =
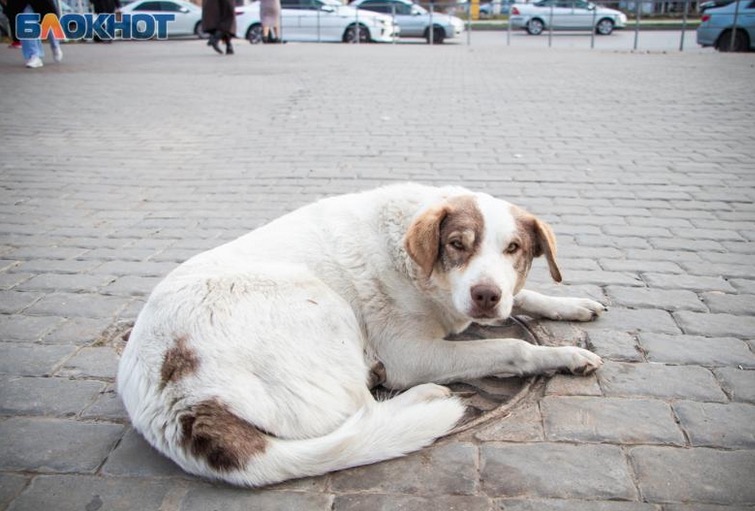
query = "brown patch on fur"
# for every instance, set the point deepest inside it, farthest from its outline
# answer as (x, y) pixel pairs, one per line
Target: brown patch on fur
(463, 224)
(429, 238)
(537, 240)
(377, 375)
(226, 441)
(178, 362)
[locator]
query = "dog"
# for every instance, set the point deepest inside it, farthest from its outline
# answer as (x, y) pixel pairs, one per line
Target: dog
(252, 363)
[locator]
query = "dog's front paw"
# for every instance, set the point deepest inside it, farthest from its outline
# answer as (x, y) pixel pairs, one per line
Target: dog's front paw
(582, 361)
(577, 309)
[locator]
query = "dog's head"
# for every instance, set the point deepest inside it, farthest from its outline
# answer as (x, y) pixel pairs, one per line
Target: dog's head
(479, 250)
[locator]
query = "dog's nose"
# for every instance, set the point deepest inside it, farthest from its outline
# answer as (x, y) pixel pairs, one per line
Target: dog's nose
(486, 296)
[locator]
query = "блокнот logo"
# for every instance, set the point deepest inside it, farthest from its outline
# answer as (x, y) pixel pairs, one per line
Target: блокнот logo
(88, 26)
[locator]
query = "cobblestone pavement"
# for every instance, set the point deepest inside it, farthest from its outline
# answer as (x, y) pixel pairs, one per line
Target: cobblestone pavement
(125, 159)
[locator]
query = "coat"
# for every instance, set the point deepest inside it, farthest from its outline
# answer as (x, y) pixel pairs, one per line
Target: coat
(219, 15)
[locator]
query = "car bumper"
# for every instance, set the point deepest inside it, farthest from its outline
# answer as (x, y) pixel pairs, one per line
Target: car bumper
(518, 21)
(707, 36)
(385, 33)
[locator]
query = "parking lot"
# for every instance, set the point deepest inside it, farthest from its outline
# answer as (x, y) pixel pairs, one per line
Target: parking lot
(127, 158)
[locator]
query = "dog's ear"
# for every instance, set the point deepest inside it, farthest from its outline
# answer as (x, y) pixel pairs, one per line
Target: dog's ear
(422, 240)
(545, 244)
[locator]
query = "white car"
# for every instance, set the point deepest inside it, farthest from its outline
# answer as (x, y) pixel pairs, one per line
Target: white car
(414, 20)
(188, 19)
(318, 20)
(565, 15)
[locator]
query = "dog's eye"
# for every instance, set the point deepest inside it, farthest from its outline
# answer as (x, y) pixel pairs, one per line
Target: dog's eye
(512, 248)
(457, 244)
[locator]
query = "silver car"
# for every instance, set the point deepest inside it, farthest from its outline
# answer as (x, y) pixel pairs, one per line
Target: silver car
(414, 20)
(728, 28)
(565, 15)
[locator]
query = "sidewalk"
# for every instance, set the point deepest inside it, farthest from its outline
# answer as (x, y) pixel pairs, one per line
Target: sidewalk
(126, 159)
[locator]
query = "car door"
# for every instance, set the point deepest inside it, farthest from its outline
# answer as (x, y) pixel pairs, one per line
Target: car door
(583, 15)
(290, 30)
(182, 24)
(563, 14)
(412, 19)
(320, 21)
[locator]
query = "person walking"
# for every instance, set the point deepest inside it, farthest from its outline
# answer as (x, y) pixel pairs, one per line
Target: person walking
(270, 12)
(219, 20)
(105, 7)
(32, 49)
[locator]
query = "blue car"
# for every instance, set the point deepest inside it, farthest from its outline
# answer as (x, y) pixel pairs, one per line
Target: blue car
(728, 28)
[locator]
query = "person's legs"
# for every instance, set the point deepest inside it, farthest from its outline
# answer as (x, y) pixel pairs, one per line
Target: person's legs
(57, 51)
(32, 49)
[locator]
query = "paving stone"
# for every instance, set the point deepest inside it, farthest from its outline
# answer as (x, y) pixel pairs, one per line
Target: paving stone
(595, 472)
(55, 445)
(10, 486)
(232, 499)
(630, 320)
(689, 282)
(609, 420)
(82, 305)
(108, 406)
(447, 468)
(134, 457)
(568, 385)
(46, 396)
(77, 330)
(640, 297)
(613, 345)
(27, 328)
(523, 424)
(71, 283)
(410, 503)
(659, 381)
(11, 280)
(571, 505)
(740, 305)
(705, 507)
(637, 266)
(739, 384)
(744, 285)
(132, 286)
(696, 350)
(32, 359)
(709, 476)
(98, 362)
(77, 493)
(15, 301)
(718, 425)
(716, 325)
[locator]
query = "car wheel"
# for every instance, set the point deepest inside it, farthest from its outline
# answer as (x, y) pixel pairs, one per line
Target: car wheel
(604, 27)
(254, 34)
(350, 35)
(740, 43)
(439, 35)
(199, 31)
(535, 27)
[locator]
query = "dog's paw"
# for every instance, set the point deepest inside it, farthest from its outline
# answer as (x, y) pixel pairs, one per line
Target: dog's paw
(577, 309)
(426, 392)
(581, 361)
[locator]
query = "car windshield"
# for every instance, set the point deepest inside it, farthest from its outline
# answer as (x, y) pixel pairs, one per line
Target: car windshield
(333, 3)
(418, 9)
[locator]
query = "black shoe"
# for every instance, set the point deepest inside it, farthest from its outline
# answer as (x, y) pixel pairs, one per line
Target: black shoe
(229, 49)
(213, 41)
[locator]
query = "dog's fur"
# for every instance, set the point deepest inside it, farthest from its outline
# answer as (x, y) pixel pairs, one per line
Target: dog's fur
(251, 363)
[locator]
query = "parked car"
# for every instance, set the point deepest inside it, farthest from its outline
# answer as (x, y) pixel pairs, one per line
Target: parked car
(318, 20)
(717, 27)
(188, 16)
(565, 15)
(414, 20)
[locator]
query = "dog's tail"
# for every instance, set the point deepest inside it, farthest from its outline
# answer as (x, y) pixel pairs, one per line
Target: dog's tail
(384, 430)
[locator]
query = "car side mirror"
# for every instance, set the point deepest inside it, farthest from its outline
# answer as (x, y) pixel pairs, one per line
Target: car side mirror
(327, 8)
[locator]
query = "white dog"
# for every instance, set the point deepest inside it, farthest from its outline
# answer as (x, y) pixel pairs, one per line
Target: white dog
(251, 363)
